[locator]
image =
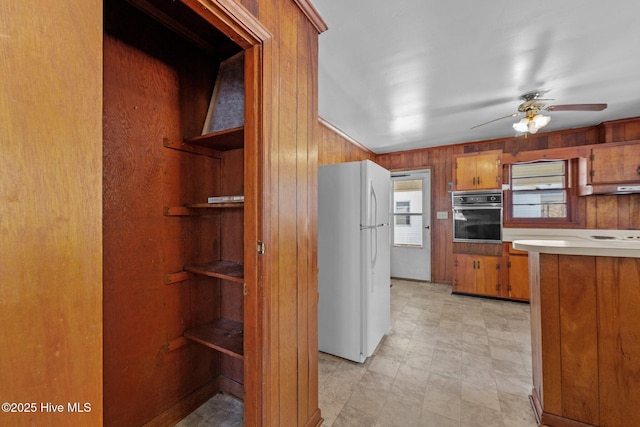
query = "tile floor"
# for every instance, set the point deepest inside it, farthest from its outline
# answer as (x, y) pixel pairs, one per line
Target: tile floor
(450, 360)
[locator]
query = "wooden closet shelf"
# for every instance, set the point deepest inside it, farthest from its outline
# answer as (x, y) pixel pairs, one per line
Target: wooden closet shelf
(223, 335)
(223, 140)
(222, 205)
(192, 209)
(228, 270)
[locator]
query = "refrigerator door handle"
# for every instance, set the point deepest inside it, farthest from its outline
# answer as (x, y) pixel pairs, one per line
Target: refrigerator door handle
(374, 236)
(375, 204)
(374, 249)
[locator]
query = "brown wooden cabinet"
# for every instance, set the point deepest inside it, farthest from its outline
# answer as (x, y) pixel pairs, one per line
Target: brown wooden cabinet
(491, 270)
(477, 274)
(516, 273)
(477, 171)
(464, 274)
(615, 163)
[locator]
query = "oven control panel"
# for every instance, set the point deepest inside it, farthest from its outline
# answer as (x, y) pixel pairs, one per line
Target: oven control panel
(477, 198)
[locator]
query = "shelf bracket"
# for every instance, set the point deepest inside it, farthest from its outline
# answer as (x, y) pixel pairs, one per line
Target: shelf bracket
(180, 276)
(191, 148)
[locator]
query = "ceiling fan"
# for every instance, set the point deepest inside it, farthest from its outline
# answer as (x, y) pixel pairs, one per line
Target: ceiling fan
(531, 107)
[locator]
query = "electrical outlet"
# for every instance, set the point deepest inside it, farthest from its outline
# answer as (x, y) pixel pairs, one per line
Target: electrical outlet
(442, 215)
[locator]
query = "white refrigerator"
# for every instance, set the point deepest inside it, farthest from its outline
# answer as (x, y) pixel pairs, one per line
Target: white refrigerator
(354, 310)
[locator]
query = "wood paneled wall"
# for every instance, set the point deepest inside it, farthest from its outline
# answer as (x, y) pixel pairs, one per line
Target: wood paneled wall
(600, 211)
(51, 212)
(439, 160)
(290, 176)
(336, 147)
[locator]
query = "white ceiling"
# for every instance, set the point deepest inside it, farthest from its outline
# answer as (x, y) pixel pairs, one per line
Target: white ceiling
(405, 74)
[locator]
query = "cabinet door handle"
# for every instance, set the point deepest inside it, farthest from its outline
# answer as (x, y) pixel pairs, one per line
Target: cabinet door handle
(478, 180)
(478, 264)
(474, 180)
(474, 265)
(638, 170)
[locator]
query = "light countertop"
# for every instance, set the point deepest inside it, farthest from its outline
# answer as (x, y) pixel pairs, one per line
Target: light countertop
(616, 243)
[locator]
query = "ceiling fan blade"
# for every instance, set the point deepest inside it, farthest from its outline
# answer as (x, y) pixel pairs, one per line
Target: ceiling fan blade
(577, 107)
(495, 120)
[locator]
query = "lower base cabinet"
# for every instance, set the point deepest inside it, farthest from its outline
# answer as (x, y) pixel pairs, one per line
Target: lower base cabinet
(493, 271)
(477, 274)
(516, 275)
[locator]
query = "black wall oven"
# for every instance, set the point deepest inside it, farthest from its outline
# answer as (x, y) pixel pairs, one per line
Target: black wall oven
(477, 216)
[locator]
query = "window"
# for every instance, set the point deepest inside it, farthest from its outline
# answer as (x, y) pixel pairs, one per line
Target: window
(539, 190)
(541, 193)
(403, 207)
(407, 213)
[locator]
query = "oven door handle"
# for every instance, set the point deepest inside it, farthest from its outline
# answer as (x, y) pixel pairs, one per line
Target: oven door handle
(476, 207)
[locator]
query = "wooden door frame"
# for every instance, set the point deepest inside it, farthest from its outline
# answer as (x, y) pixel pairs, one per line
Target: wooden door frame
(241, 26)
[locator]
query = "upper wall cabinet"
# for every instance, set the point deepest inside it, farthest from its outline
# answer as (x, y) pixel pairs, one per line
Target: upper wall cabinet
(614, 167)
(477, 171)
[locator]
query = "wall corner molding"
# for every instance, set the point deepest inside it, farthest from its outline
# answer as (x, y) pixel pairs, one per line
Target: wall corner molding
(331, 127)
(312, 14)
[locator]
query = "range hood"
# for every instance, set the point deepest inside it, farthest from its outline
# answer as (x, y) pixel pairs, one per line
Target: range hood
(588, 190)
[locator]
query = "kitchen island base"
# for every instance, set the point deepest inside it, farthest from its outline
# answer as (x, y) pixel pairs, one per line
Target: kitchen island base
(585, 321)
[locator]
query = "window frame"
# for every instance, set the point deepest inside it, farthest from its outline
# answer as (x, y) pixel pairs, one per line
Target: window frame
(398, 213)
(404, 211)
(572, 219)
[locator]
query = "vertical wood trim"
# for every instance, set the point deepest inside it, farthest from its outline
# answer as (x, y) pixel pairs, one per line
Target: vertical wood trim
(312, 185)
(579, 338)
(634, 212)
(273, 253)
(265, 278)
(287, 215)
(550, 326)
(619, 367)
(535, 304)
(305, 122)
(253, 190)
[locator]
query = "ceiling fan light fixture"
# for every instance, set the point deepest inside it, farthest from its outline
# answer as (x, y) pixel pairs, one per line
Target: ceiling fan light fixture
(532, 123)
(522, 125)
(541, 121)
(531, 107)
